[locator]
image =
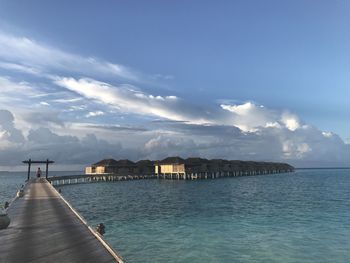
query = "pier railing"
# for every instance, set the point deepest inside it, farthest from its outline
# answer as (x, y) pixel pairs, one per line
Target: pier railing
(91, 178)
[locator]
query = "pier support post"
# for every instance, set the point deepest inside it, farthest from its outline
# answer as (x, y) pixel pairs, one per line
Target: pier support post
(29, 164)
(47, 168)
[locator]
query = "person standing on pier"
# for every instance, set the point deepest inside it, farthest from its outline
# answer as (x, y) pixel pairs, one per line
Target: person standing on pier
(38, 173)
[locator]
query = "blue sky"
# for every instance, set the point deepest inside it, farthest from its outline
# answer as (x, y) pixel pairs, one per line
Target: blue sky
(255, 66)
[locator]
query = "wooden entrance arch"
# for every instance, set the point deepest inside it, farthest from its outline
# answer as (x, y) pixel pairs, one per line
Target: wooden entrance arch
(47, 162)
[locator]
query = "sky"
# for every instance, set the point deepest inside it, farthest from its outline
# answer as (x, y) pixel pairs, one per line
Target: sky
(252, 80)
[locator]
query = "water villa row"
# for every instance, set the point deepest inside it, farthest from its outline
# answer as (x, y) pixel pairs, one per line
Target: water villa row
(178, 168)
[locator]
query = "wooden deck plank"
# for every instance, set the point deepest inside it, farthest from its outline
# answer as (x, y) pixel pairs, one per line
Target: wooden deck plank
(44, 229)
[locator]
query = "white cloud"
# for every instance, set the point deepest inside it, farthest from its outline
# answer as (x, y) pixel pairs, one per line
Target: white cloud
(20, 94)
(128, 99)
(67, 100)
(250, 117)
(190, 129)
(271, 134)
(26, 55)
(304, 145)
(94, 114)
(295, 150)
(327, 134)
(9, 133)
(38, 118)
(13, 88)
(161, 146)
(42, 143)
(290, 121)
(19, 68)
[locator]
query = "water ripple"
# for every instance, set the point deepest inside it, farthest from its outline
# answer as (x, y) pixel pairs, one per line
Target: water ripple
(301, 217)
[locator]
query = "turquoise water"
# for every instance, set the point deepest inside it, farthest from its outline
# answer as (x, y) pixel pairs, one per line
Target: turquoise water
(10, 182)
(299, 217)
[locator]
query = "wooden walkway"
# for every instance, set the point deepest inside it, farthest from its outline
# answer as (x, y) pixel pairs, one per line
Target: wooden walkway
(44, 228)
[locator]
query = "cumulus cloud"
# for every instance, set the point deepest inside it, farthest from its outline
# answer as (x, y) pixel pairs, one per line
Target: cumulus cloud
(301, 146)
(8, 132)
(172, 126)
(234, 131)
(42, 118)
(291, 121)
(250, 117)
(42, 143)
(246, 131)
(161, 146)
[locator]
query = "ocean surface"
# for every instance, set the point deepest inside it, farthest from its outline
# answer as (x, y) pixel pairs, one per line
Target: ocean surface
(10, 182)
(298, 217)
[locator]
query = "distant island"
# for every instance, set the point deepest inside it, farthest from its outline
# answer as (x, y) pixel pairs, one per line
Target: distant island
(190, 168)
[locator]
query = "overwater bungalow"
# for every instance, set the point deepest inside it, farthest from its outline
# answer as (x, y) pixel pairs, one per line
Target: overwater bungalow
(171, 166)
(190, 168)
(121, 167)
(104, 166)
(111, 166)
(193, 168)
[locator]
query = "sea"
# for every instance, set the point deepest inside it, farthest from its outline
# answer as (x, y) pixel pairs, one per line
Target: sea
(293, 217)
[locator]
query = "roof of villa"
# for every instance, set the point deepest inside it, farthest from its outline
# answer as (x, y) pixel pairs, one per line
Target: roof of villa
(106, 162)
(145, 162)
(189, 161)
(172, 160)
(125, 162)
(196, 160)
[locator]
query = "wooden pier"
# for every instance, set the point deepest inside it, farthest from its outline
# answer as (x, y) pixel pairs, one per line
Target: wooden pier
(45, 228)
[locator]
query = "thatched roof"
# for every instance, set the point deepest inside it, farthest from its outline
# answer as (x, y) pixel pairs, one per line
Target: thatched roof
(172, 160)
(125, 162)
(218, 161)
(196, 161)
(145, 163)
(106, 162)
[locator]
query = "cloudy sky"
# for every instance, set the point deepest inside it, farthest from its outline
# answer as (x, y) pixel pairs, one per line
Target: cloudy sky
(252, 80)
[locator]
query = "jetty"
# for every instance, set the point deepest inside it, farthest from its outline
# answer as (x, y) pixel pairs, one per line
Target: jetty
(45, 228)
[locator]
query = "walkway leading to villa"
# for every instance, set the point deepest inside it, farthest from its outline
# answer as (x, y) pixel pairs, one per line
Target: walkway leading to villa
(44, 228)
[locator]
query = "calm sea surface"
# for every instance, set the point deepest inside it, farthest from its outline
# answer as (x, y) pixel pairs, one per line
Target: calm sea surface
(10, 182)
(299, 217)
